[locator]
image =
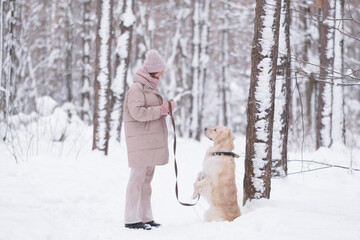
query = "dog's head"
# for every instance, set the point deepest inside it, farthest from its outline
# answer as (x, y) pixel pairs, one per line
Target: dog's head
(222, 137)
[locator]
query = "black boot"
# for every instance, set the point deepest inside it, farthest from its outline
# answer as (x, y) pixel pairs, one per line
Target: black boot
(153, 224)
(139, 225)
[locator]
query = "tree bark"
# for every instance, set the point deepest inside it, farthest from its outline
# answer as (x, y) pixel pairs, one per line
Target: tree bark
(282, 95)
(103, 76)
(195, 69)
(260, 108)
(338, 121)
(2, 87)
(324, 114)
(201, 28)
(8, 69)
(223, 84)
(122, 63)
(69, 50)
(204, 59)
(178, 69)
(85, 113)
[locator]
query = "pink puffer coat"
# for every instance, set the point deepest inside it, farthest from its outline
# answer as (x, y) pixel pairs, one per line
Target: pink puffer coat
(145, 129)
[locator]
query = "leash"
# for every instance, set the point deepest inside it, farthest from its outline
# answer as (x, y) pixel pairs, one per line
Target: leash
(175, 164)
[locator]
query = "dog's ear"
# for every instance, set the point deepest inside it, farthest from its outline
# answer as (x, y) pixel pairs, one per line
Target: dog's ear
(223, 135)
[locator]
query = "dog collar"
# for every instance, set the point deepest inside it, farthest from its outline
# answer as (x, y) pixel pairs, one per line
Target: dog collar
(226, 154)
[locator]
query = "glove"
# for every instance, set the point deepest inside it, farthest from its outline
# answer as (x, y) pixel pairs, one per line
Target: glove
(164, 108)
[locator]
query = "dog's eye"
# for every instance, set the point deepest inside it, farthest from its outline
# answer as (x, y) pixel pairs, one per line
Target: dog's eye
(215, 129)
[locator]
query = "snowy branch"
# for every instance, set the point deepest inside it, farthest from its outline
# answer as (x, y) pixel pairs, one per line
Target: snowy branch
(341, 75)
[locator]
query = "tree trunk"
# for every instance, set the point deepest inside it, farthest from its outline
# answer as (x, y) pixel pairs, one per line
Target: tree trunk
(223, 85)
(103, 76)
(201, 27)
(69, 51)
(86, 66)
(2, 83)
(13, 58)
(309, 85)
(142, 36)
(178, 70)
(324, 114)
(260, 108)
(338, 121)
(195, 69)
(8, 69)
(203, 60)
(282, 95)
(122, 63)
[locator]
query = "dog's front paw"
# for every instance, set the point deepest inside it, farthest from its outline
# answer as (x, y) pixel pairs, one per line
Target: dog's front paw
(196, 192)
(200, 177)
(195, 195)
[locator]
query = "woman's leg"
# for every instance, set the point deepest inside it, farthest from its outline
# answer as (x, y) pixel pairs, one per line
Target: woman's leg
(134, 195)
(145, 205)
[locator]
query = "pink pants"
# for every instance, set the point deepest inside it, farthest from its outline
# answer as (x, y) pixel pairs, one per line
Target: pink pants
(138, 195)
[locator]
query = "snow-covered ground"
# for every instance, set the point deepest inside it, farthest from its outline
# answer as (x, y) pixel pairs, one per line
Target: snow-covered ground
(64, 191)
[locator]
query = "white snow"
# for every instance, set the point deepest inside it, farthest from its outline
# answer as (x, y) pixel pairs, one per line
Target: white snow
(325, 131)
(278, 122)
(123, 44)
(86, 86)
(117, 85)
(66, 191)
(45, 105)
(152, 24)
(128, 17)
(86, 48)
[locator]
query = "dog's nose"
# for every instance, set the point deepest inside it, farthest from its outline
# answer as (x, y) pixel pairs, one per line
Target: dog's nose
(205, 129)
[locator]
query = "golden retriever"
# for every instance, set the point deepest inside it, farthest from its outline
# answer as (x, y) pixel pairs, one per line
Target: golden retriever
(216, 182)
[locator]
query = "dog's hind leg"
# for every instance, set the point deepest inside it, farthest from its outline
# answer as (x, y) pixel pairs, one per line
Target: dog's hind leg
(214, 214)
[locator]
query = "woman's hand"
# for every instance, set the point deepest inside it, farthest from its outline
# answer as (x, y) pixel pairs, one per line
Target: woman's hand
(164, 108)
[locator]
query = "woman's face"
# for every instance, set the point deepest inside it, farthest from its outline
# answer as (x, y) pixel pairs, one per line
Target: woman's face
(158, 75)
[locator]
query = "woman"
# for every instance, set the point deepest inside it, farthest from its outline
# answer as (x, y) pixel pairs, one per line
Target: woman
(146, 139)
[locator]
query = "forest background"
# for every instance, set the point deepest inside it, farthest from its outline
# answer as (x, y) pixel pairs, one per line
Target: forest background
(48, 48)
